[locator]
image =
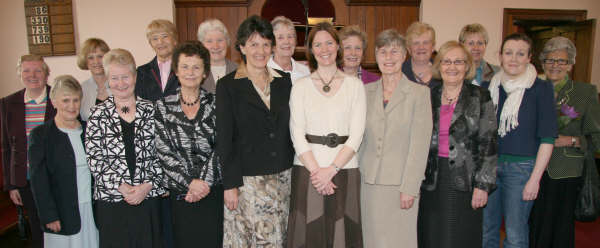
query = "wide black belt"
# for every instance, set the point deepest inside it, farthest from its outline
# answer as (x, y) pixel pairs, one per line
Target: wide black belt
(332, 140)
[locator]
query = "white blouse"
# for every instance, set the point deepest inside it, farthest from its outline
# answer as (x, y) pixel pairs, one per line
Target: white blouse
(316, 114)
(298, 70)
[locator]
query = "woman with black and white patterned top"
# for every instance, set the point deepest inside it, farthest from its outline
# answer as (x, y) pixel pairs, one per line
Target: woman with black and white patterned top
(122, 157)
(185, 143)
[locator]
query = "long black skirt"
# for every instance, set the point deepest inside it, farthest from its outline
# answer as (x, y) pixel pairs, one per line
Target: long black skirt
(127, 226)
(446, 218)
(198, 224)
(552, 219)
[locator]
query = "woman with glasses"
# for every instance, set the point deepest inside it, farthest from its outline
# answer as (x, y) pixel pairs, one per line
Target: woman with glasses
(185, 143)
(461, 168)
(552, 221)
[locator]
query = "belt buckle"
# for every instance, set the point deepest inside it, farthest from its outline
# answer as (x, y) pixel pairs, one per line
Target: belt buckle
(332, 140)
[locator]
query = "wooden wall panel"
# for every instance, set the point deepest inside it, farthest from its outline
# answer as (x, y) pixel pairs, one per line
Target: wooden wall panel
(189, 18)
(373, 19)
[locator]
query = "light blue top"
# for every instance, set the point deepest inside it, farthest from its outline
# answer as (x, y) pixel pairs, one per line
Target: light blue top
(84, 177)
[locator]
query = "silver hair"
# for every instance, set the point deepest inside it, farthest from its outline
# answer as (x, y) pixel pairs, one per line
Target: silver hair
(213, 25)
(559, 43)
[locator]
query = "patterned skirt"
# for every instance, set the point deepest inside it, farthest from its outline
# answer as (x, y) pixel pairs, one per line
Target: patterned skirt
(260, 219)
(318, 221)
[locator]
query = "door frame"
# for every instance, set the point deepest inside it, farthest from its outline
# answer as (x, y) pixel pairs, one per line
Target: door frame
(510, 15)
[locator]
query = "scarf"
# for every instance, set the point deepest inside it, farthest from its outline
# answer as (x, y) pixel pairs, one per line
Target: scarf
(515, 89)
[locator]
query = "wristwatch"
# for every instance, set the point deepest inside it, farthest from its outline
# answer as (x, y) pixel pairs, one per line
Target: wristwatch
(337, 169)
(573, 141)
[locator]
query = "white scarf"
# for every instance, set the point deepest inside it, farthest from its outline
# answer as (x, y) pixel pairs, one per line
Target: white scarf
(515, 88)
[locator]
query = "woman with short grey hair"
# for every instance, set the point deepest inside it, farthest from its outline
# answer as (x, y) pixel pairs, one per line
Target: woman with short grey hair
(285, 45)
(59, 173)
(214, 36)
(393, 155)
(552, 217)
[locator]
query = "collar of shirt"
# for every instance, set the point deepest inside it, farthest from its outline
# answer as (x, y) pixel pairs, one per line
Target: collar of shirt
(242, 72)
(165, 70)
(38, 100)
(274, 65)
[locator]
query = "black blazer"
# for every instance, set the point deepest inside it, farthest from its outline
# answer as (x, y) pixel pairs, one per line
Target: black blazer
(251, 138)
(473, 148)
(14, 140)
(147, 83)
(53, 177)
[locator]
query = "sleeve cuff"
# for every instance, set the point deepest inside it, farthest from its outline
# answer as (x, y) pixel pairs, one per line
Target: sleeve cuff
(547, 140)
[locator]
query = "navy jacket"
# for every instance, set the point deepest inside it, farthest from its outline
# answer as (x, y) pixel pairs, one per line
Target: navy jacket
(148, 85)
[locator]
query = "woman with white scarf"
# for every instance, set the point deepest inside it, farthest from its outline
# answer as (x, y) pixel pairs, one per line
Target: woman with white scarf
(527, 126)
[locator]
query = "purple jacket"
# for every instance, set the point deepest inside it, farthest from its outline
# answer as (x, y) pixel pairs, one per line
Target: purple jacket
(367, 76)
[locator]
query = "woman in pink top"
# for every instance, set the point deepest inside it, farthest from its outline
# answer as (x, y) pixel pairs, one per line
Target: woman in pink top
(461, 168)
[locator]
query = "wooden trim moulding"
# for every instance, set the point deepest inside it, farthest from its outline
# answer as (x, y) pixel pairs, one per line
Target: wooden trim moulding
(384, 2)
(511, 14)
(211, 3)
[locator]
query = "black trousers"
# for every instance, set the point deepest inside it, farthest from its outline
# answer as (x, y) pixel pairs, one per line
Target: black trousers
(37, 235)
(552, 221)
(198, 224)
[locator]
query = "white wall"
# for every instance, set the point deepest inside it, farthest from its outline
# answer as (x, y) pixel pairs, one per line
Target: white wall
(449, 16)
(121, 23)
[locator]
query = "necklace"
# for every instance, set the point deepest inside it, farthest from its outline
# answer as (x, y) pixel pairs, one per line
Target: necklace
(189, 104)
(326, 87)
(125, 109)
(449, 99)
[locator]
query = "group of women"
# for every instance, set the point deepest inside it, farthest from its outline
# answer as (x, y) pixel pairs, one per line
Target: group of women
(269, 153)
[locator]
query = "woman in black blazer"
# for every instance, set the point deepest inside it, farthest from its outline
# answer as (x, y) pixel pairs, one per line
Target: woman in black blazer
(59, 174)
(254, 144)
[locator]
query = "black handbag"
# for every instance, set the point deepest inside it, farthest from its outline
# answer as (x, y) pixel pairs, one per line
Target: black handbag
(587, 207)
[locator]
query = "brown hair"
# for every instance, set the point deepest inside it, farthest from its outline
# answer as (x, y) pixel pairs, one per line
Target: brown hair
(88, 46)
(327, 27)
(517, 37)
(447, 47)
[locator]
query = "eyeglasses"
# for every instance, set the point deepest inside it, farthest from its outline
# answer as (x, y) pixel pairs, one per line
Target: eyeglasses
(556, 61)
(455, 62)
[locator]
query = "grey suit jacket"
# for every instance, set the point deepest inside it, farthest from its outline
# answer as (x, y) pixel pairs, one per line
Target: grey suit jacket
(396, 140)
(210, 84)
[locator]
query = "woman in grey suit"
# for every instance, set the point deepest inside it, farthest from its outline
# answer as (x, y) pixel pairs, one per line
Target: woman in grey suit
(393, 154)
(214, 36)
(461, 168)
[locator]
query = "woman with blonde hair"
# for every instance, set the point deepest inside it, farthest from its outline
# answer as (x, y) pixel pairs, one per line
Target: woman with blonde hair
(354, 44)
(95, 89)
(420, 41)
(59, 173)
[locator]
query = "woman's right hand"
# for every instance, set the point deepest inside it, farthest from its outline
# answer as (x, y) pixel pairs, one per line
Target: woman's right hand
(125, 189)
(197, 190)
(54, 226)
(231, 198)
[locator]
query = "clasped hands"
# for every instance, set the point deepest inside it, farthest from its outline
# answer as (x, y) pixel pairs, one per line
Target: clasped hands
(197, 190)
(321, 179)
(134, 195)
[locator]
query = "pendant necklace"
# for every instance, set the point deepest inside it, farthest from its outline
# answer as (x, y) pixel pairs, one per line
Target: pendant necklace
(326, 87)
(449, 99)
(189, 104)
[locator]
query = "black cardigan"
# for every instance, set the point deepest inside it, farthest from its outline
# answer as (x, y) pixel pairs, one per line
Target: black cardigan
(252, 139)
(147, 83)
(53, 177)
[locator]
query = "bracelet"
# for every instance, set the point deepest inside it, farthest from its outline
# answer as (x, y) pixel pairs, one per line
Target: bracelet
(337, 169)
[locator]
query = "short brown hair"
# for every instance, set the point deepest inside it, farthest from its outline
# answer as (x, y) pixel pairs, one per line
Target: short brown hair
(65, 84)
(447, 47)
(88, 46)
(32, 57)
(353, 30)
(327, 27)
(161, 25)
(518, 37)
(474, 28)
